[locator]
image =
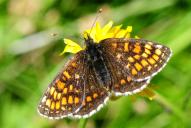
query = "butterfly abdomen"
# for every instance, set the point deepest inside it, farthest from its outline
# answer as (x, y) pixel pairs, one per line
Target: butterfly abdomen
(96, 60)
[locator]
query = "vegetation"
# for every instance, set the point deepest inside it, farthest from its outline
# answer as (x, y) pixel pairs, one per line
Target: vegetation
(29, 60)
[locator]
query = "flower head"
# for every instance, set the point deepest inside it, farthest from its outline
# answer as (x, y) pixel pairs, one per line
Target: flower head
(98, 33)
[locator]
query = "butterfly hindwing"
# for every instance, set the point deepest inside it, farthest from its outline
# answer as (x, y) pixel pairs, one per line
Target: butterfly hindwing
(141, 59)
(122, 82)
(95, 96)
(65, 94)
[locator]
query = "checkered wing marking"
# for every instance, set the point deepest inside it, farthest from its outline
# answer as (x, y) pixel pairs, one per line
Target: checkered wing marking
(96, 96)
(141, 59)
(122, 82)
(65, 94)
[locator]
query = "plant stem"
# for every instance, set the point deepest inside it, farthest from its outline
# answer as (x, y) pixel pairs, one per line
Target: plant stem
(82, 123)
(173, 108)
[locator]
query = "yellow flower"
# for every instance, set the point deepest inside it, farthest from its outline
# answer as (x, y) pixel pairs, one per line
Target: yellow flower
(98, 33)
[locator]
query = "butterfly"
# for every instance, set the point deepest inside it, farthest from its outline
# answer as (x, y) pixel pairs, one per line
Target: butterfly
(119, 66)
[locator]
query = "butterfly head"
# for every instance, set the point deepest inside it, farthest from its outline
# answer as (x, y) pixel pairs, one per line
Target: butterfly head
(88, 40)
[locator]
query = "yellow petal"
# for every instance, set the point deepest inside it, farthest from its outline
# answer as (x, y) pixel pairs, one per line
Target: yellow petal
(107, 27)
(109, 35)
(71, 47)
(95, 32)
(92, 31)
(115, 30)
(127, 35)
(129, 29)
(98, 33)
(121, 33)
(70, 42)
(97, 27)
(137, 37)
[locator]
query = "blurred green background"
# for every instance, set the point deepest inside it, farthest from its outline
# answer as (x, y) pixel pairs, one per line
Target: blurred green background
(29, 60)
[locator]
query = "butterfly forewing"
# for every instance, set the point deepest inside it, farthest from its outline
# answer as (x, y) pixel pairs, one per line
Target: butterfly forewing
(141, 59)
(65, 94)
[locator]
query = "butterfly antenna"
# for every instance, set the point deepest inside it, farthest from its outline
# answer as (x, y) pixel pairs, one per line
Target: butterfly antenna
(98, 14)
(54, 34)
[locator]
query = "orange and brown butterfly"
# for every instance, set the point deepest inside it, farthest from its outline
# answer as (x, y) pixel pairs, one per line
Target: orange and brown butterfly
(111, 63)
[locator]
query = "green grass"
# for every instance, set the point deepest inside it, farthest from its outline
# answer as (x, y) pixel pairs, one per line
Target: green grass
(29, 60)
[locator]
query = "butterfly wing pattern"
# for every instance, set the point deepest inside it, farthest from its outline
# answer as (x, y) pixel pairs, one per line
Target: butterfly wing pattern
(141, 59)
(96, 97)
(65, 94)
(123, 84)
(74, 92)
(133, 62)
(77, 91)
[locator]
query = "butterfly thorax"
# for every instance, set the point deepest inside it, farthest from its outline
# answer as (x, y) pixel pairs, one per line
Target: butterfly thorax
(97, 63)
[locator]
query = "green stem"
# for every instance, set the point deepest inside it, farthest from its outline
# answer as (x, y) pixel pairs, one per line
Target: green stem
(173, 108)
(82, 123)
